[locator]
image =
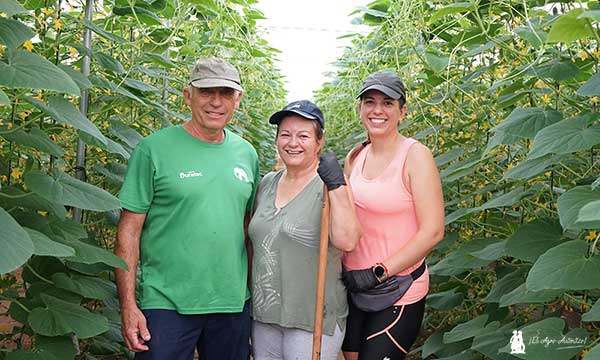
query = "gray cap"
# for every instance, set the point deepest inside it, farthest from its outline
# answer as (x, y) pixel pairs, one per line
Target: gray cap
(213, 72)
(386, 82)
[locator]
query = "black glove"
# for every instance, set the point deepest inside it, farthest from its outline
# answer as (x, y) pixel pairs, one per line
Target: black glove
(359, 280)
(330, 171)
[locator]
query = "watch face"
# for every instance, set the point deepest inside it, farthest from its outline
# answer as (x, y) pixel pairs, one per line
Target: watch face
(379, 271)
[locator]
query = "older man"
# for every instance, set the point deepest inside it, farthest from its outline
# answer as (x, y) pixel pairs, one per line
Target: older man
(185, 197)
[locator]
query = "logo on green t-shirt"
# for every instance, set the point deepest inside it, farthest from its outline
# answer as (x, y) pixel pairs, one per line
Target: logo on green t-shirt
(241, 174)
(189, 174)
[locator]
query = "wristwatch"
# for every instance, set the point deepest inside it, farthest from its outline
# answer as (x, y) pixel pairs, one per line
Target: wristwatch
(380, 272)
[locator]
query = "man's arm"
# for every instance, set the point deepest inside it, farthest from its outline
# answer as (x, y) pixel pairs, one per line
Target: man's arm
(133, 323)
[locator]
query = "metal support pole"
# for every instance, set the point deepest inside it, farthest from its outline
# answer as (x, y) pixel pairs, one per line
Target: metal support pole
(83, 103)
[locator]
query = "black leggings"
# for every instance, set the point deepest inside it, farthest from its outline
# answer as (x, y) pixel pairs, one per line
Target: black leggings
(388, 333)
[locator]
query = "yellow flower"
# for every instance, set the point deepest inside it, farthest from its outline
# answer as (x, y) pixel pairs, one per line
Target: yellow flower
(3, 15)
(28, 45)
(105, 125)
(73, 53)
(467, 135)
(47, 11)
(43, 213)
(479, 197)
(592, 235)
(39, 96)
(520, 43)
(546, 99)
(9, 126)
(473, 116)
(596, 53)
(594, 100)
(135, 125)
(23, 115)
(16, 173)
(57, 25)
(510, 166)
(4, 178)
(548, 173)
(583, 55)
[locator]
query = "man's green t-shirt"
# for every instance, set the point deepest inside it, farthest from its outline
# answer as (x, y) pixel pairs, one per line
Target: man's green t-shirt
(195, 195)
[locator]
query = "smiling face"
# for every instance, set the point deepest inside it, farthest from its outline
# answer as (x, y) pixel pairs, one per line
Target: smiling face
(212, 108)
(380, 114)
(297, 142)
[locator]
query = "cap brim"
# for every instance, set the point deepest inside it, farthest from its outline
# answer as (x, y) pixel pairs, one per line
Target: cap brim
(278, 116)
(384, 89)
(210, 83)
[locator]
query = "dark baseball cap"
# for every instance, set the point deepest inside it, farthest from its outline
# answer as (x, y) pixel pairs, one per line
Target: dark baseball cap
(213, 72)
(386, 82)
(304, 108)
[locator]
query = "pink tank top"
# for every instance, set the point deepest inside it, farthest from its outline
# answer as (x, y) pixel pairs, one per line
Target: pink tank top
(386, 212)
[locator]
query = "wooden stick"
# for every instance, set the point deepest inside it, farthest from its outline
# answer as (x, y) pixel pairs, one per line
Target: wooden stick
(321, 277)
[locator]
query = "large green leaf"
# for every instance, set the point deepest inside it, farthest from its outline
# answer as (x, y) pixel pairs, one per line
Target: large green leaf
(531, 167)
(61, 347)
(30, 201)
(533, 239)
(491, 252)
(569, 27)
(436, 62)
(16, 245)
(466, 330)
(90, 254)
(488, 342)
(60, 317)
(86, 286)
(43, 246)
(556, 70)
(4, 100)
(31, 71)
(594, 354)
(571, 203)
(66, 190)
(13, 33)
(11, 7)
(577, 270)
(508, 199)
(521, 295)
(542, 341)
(567, 136)
(80, 79)
(64, 112)
(110, 146)
(526, 122)
(593, 314)
(448, 156)
(125, 133)
(506, 284)
(100, 31)
(109, 85)
(36, 139)
(591, 87)
(455, 8)
(589, 213)
(445, 300)
(461, 260)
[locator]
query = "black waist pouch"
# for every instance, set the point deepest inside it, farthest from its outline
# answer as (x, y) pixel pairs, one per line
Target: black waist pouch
(384, 295)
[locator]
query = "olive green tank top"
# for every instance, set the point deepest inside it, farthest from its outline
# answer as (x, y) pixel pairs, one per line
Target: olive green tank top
(285, 243)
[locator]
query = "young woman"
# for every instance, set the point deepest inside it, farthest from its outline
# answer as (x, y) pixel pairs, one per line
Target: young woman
(399, 205)
(285, 230)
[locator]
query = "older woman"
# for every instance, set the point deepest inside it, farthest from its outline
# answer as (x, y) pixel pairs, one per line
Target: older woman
(284, 231)
(399, 205)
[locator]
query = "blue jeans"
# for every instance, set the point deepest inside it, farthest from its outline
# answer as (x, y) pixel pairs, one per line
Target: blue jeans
(222, 336)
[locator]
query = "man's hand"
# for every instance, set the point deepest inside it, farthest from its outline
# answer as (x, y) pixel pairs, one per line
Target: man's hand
(359, 280)
(330, 171)
(133, 328)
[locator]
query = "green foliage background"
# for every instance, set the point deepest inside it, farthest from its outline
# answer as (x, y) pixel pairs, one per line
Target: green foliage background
(503, 92)
(65, 297)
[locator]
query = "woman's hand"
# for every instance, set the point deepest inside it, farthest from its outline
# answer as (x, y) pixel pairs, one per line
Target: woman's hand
(330, 171)
(359, 280)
